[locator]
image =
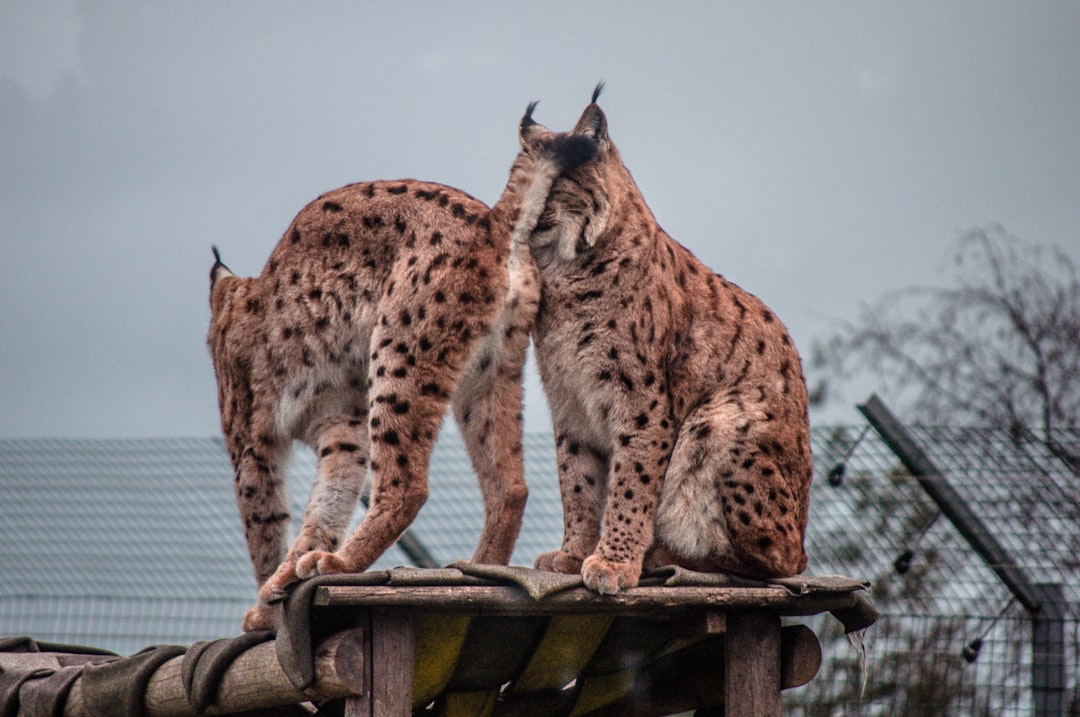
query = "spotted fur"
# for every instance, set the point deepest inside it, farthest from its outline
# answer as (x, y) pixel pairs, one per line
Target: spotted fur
(383, 303)
(678, 400)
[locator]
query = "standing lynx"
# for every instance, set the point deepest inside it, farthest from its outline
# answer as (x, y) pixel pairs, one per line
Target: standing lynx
(681, 431)
(382, 303)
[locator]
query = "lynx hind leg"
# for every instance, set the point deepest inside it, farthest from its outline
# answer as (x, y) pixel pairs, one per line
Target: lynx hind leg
(412, 375)
(487, 407)
(262, 498)
(341, 447)
(727, 501)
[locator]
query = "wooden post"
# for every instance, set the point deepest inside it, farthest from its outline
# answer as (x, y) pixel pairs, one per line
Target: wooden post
(389, 653)
(752, 664)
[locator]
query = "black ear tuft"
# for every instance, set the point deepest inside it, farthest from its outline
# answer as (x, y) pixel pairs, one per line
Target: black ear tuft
(218, 266)
(596, 92)
(575, 150)
(526, 119)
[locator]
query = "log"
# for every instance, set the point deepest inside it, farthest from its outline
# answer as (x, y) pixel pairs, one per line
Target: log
(255, 680)
(800, 656)
(28, 661)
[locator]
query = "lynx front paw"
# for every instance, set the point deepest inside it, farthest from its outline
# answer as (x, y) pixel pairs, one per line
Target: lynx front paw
(319, 562)
(559, 561)
(277, 586)
(608, 578)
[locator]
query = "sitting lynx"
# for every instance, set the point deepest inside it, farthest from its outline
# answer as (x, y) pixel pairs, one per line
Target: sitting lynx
(382, 303)
(681, 430)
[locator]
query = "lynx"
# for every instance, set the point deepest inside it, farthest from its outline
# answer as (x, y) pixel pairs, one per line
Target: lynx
(382, 303)
(682, 433)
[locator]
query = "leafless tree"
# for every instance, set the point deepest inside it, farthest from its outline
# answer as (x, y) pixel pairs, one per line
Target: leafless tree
(999, 347)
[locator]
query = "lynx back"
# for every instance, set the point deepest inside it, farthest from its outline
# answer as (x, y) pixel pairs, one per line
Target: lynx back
(383, 303)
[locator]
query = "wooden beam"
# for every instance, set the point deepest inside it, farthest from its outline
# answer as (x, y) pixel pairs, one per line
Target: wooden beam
(742, 656)
(694, 679)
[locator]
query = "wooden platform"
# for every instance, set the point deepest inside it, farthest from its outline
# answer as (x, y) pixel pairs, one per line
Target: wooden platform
(657, 650)
(479, 645)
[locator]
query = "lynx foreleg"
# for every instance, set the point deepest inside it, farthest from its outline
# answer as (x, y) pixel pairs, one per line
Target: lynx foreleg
(583, 475)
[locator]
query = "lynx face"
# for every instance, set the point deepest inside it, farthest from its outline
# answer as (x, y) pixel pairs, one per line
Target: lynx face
(682, 432)
(383, 303)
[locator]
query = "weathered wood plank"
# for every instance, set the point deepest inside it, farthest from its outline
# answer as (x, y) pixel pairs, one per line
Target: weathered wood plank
(388, 666)
(393, 644)
(508, 600)
(361, 704)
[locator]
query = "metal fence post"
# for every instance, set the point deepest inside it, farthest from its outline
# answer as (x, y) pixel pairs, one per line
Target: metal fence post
(1048, 651)
(1045, 602)
(950, 502)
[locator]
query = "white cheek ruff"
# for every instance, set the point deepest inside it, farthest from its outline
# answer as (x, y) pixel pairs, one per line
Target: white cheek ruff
(568, 242)
(535, 198)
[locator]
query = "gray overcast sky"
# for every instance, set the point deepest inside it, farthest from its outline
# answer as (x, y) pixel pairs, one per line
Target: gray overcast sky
(818, 154)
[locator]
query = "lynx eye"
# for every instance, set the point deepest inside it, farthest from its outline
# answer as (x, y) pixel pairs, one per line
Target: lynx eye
(544, 225)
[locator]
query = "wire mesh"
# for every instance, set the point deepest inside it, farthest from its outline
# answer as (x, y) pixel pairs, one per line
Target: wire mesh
(952, 639)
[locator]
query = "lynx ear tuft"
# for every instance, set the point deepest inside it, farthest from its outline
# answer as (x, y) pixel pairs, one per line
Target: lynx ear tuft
(218, 269)
(526, 119)
(528, 128)
(596, 92)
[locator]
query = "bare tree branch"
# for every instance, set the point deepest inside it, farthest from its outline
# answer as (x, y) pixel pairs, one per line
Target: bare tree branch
(999, 347)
